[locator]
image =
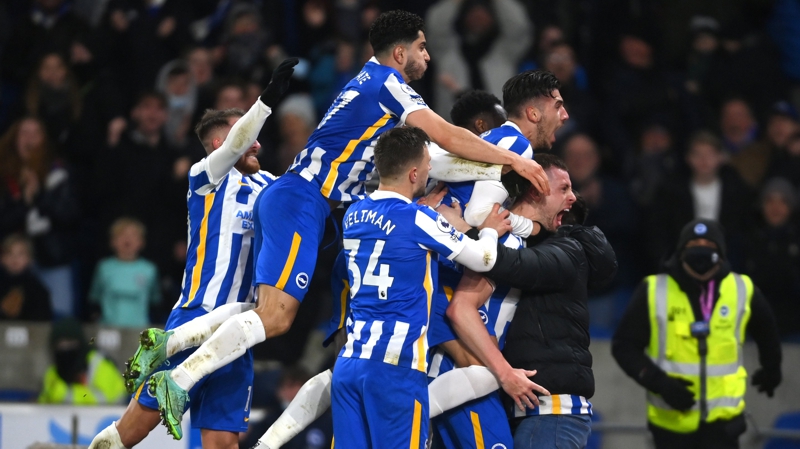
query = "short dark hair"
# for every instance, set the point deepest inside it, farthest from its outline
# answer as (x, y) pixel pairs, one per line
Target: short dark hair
(519, 89)
(470, 104)
(398, 148)
(577, 213)
(548, 161)
(213, 119)
(148, 94)
(394, 27)
(705, 137)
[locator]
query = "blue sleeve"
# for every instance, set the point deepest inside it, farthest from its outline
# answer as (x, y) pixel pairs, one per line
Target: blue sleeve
(400, 98)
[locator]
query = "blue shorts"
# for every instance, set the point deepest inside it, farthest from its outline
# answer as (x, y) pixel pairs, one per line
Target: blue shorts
(440, 328)
(481, 423)
(221, 400)
(340, 290)
(289, 219)
(379, 406)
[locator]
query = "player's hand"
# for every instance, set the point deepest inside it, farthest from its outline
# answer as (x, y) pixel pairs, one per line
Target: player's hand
(497, 220)
(452, 214)
(279, 82)
(532, 171)
(435, 196)
(515, 382)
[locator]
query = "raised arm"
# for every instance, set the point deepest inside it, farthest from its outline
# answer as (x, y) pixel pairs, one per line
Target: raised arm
(463, 143)
(484, 196)
(448, 167)
(245, 131)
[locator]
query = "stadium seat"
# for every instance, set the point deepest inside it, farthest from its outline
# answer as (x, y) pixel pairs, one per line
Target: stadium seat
(785, 421)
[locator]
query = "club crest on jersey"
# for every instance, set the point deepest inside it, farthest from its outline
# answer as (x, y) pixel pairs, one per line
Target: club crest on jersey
(443, 224)
(484, 316)
(301, 280)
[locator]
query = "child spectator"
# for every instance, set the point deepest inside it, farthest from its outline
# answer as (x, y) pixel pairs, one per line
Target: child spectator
(125, 285)
(22, 294)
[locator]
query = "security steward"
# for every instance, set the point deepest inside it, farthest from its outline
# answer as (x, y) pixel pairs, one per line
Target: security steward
(681, 338)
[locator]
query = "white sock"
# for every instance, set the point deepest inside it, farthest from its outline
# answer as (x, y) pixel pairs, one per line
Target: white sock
(195, 332)
(228, 343)
(108, 438)
(313, 399)
(459, 386)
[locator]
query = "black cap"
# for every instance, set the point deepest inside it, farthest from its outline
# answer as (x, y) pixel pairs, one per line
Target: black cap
(701, 228)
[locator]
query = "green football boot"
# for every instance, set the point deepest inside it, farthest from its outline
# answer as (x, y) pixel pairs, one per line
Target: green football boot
(172, 401)
(152, 352)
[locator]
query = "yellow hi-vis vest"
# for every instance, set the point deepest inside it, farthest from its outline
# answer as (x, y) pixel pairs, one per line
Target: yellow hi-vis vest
(718, 378)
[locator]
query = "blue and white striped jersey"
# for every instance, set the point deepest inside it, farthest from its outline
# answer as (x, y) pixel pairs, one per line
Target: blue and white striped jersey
(508, 136)
(339, 154)
(219, 261)
(390, 245)
(496, 313)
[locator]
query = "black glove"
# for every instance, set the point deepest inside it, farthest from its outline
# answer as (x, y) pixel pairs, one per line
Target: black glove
(279, 82)
(676, 393)
(767, 379)
(515, 184)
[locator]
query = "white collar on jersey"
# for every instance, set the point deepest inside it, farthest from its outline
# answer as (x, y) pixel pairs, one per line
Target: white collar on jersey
(375, 60)
(513, 125)
(386, 194)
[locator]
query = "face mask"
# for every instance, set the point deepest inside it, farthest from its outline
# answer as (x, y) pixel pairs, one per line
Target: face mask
(70, 364)
(179, 102)
(701, 259)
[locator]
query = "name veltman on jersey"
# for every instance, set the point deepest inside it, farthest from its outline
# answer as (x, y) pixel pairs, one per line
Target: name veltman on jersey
(379, 391)
(339, 154)
(336, 163)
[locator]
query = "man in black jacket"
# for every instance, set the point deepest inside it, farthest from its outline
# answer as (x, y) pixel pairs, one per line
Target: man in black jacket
(550, 330)
(681, 338)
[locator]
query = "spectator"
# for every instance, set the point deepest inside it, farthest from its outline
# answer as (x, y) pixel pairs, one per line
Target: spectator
(53, 95)
(712, 190)
(125, 286)
(22, 295)
(230, 95)
(612, 210)
(654, 165)
(490, 38)
(705, 43)
(782, 130)
(316, 436)
(681, 339)
(296, 121)
(773, 256)
(50, 26)
(143, 177)
(38, 199)
(175, 82)
(79, 375)
(740, 133)
(244, 44)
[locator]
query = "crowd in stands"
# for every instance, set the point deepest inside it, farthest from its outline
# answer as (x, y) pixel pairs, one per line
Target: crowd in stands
(677, 111)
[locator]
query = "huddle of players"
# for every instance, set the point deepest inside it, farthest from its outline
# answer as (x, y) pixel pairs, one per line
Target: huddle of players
(402, 259)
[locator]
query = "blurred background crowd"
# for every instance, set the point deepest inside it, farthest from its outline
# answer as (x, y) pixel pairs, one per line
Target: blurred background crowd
(678, 110)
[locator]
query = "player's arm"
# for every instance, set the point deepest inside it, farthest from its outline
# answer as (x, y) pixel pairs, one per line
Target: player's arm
(245, 131)
(485, 195)
(463, 143)
(448, 167)
(472, 292)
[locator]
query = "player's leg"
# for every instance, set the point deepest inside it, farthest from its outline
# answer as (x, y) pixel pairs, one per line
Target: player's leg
(396, 405)
(478, 424)
(133, 426)
(350, 429)
(156, 345)
(312, 401)
(214, 439)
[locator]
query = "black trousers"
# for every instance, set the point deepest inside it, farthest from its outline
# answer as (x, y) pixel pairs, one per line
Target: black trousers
(715, 435)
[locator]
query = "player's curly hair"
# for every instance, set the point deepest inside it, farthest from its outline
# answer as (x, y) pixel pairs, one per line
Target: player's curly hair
(398, 148)
(394, 27)
(213, 119)
(470, 104)
(519, 89)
